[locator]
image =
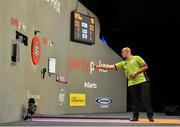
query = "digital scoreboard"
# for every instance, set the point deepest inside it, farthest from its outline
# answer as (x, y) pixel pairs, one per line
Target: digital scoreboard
(82, 28)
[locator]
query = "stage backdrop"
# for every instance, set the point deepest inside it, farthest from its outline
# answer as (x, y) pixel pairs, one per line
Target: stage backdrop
(38, 59)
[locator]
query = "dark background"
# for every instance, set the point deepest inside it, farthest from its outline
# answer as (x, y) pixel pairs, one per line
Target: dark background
(151, 29)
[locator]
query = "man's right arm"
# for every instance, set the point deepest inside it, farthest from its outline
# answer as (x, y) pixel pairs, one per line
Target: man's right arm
(108, 67)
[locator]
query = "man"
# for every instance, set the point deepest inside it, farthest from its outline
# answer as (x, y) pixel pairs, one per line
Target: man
(138, 85)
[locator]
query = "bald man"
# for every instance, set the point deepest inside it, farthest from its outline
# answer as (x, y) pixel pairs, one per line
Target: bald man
(134, 68)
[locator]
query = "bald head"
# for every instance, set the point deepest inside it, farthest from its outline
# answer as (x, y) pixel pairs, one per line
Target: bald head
(126, 49)
(126, 52)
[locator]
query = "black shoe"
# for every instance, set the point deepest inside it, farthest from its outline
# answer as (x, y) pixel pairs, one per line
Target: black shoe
(151, 119)
(134, 118)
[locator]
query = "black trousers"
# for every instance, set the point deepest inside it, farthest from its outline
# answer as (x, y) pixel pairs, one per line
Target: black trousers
(140, 95)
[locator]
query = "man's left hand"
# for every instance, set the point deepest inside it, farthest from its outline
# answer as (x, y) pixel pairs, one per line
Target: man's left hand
(133, 75)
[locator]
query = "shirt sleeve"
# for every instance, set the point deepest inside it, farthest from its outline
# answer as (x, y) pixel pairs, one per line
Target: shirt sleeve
(119, 65)
(141, 61)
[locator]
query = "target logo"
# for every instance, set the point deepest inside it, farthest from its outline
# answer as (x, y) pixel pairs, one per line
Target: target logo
(35, 50)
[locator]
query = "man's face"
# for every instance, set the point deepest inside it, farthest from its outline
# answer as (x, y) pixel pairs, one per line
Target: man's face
(124, 54)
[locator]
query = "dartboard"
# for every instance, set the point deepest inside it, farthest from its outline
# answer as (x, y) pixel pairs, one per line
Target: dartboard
(35, 50)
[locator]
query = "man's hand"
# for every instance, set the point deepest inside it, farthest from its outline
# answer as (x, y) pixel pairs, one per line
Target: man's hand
(133, 75)
(97, 66)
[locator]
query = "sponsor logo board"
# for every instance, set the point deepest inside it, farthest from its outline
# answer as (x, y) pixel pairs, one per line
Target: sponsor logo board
(77, 99)
(104, 102)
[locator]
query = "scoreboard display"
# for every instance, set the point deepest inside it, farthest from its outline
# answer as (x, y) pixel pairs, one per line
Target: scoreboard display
(82, 28)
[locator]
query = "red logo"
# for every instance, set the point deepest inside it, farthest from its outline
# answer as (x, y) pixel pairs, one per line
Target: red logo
(35, 50)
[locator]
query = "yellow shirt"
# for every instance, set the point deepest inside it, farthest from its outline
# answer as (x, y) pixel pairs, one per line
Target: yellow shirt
(130, 66)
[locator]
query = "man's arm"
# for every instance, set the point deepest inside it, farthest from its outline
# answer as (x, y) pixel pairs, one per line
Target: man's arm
(108, 67)
(142, 69)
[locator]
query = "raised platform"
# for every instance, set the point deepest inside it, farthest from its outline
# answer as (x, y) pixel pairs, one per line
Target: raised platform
(86, 116)
(97, 119)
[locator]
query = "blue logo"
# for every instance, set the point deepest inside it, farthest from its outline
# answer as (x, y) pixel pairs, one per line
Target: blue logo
(104, 101)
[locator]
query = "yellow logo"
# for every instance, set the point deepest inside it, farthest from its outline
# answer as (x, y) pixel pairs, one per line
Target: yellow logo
(77, 99)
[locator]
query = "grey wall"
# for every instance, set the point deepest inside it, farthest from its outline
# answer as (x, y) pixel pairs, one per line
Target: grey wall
(23, 80)
(1, 74)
